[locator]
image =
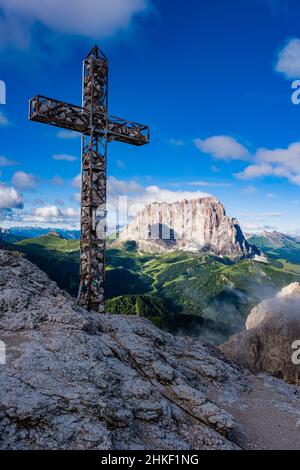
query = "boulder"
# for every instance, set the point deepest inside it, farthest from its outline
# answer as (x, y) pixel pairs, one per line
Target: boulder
(78, 380)
(271, 338)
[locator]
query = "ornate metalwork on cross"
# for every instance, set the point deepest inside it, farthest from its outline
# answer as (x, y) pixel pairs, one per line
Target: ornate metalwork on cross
(97, 128)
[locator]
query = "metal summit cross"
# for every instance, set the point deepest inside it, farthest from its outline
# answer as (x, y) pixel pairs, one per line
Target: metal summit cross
(97, 129)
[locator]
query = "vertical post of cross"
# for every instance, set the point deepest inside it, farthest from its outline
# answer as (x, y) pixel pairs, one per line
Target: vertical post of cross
(93, 184)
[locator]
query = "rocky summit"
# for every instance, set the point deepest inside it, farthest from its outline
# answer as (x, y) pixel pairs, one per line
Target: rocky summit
(78, 380)
(190, 225)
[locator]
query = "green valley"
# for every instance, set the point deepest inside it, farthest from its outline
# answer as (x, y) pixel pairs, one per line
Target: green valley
(183, 293)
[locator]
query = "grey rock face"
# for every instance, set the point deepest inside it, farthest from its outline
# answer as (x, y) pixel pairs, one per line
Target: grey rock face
(78, 380)
(272, 337)
(195, 225)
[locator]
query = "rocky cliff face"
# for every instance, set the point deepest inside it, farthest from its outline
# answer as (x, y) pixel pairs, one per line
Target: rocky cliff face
(78, 380)
(195, 225)
(272, 337)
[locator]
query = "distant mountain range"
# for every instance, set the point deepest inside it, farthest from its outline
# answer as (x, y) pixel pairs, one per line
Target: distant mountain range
(277, 245)
(205, 287)
(14, 234)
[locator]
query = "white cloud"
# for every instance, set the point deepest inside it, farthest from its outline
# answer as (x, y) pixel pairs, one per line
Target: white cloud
(24, 181)
(52, 214)
(289, 157)
(64, 158)
(71, 213)
(5, 162)
(280, 163)
(209, 184)
(139, 196)
(261, 215)
(47, 212)
(3, 119)
(68, 135)
(123, 187)
(272, 214)
(9, 198)
(260, 221)
(222, 147)
(76, 197)
(157, 194)
(254, 171)
(257, 227)
(288, 61)
(90, 18)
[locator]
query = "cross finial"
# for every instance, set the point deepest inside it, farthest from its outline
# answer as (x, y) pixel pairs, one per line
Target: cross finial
(97, 53)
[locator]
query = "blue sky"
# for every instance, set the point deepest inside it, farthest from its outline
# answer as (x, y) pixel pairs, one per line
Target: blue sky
(213, 79)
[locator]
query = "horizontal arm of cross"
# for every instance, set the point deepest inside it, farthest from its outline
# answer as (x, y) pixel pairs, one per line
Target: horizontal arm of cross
(72, 117)
(129, 132)
(60, 114)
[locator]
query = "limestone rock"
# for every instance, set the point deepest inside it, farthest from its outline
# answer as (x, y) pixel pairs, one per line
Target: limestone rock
(189, 225)
(75, 379)
(80, 380)
(273, 327)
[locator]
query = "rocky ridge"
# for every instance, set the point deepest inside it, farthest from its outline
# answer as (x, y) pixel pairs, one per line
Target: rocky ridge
(78, 380)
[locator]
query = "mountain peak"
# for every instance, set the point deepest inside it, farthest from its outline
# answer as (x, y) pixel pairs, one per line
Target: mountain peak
(54, 233)
(189, 225)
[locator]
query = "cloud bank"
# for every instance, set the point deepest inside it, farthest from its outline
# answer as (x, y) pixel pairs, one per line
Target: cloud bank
(280, 163)
(90, 18)
(52, 214)
(139, 196)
